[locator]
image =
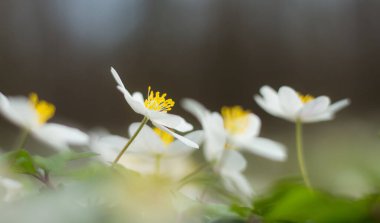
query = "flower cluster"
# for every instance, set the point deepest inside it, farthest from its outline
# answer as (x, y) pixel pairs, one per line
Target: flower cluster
(161, 144)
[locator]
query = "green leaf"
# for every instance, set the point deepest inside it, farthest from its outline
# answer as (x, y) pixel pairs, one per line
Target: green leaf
(291, 202)
(58, 162)
(242, 211)
(19, 161)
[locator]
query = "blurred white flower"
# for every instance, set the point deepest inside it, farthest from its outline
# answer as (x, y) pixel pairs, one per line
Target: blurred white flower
(154, 149)
(231, 168)
(293, 106)
(32, 115)
(106, 145)
(155, 142)
(155, 108)
(235, 128)
(12, 188)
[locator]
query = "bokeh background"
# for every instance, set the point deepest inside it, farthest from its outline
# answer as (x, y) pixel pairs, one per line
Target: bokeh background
(218, 52)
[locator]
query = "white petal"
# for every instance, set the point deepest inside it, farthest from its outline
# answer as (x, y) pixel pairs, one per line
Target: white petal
(265, 148)
(60, 136)
(179, 137)
(136, 105)
(107, 146)
(215, 136)
(269, 101)
(289, 101)
(253, 128)
(327, 116)
(195, 108)
(169, 120)
(177, 148)
(329, 113)
(12, 187)
(19, 111)
(237, 184)
(146, 142)
(339, 105)
(232, 161)
(117, 78)
(138, 97)
(315, 107)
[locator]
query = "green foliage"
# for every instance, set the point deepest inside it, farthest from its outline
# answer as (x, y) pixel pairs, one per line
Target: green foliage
(58, 162)
(291, 202)
(19, 161)
(244, 212)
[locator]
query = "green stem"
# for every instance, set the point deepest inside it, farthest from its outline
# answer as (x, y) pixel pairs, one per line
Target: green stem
(22, 139)
(143, 122)
(301, 160)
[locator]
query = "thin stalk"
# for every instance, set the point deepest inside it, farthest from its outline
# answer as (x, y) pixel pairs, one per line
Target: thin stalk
(301, 160)
(22, 139)
(143, 122)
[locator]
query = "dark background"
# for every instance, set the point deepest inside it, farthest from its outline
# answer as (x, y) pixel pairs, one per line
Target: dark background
(218, 52)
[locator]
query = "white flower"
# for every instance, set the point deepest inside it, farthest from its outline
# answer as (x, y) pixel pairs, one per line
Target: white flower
(155, 108)
(293, 106)
(156, 151)
(106, 145)
(235, 128)
(32, 114)
(230, 169)
(12, 188)
(155, 142)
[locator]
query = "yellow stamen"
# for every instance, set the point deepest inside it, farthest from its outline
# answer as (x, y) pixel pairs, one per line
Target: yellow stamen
(305, 98)
(236, 119)
(45, 110)
(165, 137)
(157, 102)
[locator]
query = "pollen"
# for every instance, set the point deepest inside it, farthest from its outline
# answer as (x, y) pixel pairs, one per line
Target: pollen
(165, 137)
(236, 119)
(305, 98)
(45, 110)
(158, 102)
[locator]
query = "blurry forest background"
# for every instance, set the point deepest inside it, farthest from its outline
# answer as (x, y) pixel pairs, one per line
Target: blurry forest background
(218, 52)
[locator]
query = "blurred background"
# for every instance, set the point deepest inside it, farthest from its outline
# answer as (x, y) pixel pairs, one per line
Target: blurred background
(218, 52)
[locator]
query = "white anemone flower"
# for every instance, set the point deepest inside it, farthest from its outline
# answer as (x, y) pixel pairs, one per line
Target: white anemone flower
(156, 151)
(12, 188)
(231, 168)
(234, 128)
(32, 115)
(155, 108)
(108, 146)
(293, 106)
(155, 142)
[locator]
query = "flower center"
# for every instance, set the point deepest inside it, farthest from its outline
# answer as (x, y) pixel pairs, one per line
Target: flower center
(236, 119)
(165, 137)
(305, 98)
(45, 110)
(158, 102)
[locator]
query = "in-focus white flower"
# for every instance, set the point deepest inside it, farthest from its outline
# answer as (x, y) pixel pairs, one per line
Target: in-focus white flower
(293, 106)
(12, 188)
(155, 108)
(32, 115)
(234, 128)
